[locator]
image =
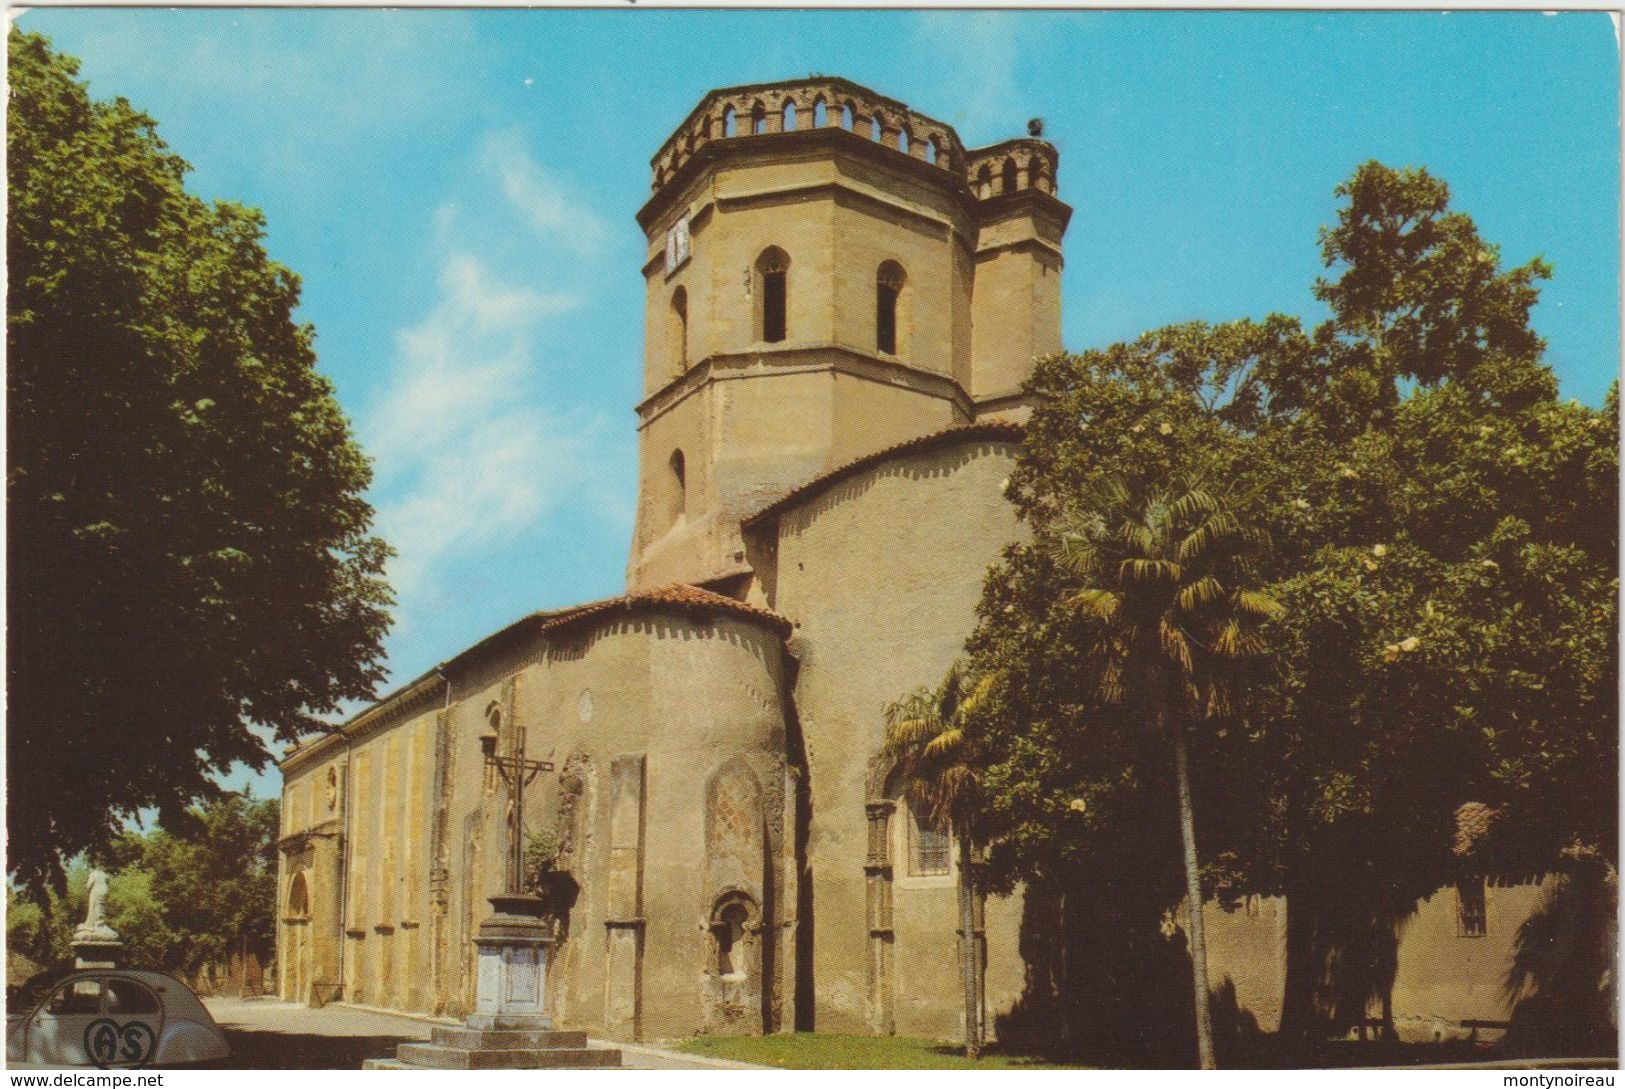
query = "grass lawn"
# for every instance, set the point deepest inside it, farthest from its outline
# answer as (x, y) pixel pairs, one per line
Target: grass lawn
(830, 1051)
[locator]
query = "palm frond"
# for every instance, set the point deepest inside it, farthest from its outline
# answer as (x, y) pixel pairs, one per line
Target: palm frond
(1096, 603)
(1143, 570)
(1194, 595)
(1257, 603)
(1175, 645)
(944, 745)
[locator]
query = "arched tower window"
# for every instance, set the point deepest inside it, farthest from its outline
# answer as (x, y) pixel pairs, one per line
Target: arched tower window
(1008, 176)
(931, 150)
(679, 330)
(889, 280)
(902, 139)
(984, 182)
(679, 485)
(820, 114)
(730, 123)
(846, 117)
(789, 124)
(758, 119)
(875, 128)
(772, 274)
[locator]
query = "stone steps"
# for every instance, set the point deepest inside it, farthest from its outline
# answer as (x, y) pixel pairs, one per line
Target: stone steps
(463, 1048)
(440, 1057)
(506, 1039)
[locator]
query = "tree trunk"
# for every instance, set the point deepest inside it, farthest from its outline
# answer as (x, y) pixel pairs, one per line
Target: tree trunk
(1299, 1016)
(967, 952)
(1193, 893)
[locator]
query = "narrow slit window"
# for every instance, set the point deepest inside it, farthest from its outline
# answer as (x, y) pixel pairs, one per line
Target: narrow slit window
(772, 270)
(888, 289)
(679, 329)
(679, 480)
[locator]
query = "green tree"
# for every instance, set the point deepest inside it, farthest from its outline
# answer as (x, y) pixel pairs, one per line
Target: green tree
(190, 551)
(934, 759)
(1167, 578)
(213, 884)
(177, 900)
(1444, 533)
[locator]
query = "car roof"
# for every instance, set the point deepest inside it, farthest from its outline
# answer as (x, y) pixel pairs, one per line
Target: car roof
(178, 999)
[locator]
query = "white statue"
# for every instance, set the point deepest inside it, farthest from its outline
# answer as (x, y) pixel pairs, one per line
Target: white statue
(95, 927)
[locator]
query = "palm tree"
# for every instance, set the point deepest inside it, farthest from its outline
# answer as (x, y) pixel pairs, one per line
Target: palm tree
(1167, 582)
(935, 762)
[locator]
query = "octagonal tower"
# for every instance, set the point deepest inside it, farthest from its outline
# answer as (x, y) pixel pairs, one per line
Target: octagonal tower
(829, 273)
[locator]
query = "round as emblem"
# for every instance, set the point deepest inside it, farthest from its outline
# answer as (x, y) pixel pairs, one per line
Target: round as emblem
(109, 1044)
(584, 706)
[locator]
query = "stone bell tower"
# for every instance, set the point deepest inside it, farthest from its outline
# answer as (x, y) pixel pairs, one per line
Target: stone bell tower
(829, 273)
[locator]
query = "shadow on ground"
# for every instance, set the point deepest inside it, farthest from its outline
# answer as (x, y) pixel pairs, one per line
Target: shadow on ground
(269, 1049)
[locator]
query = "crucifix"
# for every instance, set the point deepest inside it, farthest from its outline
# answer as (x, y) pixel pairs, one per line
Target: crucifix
(517, 773)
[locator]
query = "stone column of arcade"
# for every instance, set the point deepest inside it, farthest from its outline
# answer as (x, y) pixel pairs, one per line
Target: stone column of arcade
(508, 1028)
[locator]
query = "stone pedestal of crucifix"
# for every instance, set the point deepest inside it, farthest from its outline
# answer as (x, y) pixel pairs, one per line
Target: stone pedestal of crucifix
(509, 1028)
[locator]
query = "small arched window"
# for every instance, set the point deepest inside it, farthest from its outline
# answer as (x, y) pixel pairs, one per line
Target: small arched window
(772, 274)
(875, 128)
(1008, 176)
(902, 139)
(846, 117)
(679, 329)
(789, 124)
(679, 485)
(984, 182)
(889, 280)
(730, 123)
(931, 150)
(731, 918)
(493, 728)
(820, 114)
(758, 119)
(298, 897)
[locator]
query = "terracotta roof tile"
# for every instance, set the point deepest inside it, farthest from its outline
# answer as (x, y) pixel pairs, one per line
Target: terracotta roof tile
(679, 597)
(992, 430)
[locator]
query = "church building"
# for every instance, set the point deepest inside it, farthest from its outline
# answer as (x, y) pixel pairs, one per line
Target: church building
(842, 305)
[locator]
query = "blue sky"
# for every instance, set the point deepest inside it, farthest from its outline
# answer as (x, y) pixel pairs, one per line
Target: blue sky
(457, 191)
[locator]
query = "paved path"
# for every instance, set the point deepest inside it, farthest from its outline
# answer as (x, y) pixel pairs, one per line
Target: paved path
(266, 1034)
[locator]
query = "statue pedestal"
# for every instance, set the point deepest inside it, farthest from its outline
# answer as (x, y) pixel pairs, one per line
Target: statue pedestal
(509, 1028)
(97, 952)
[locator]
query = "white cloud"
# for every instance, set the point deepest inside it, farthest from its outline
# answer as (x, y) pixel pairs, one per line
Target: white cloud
(538, 196)
(469, 452)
